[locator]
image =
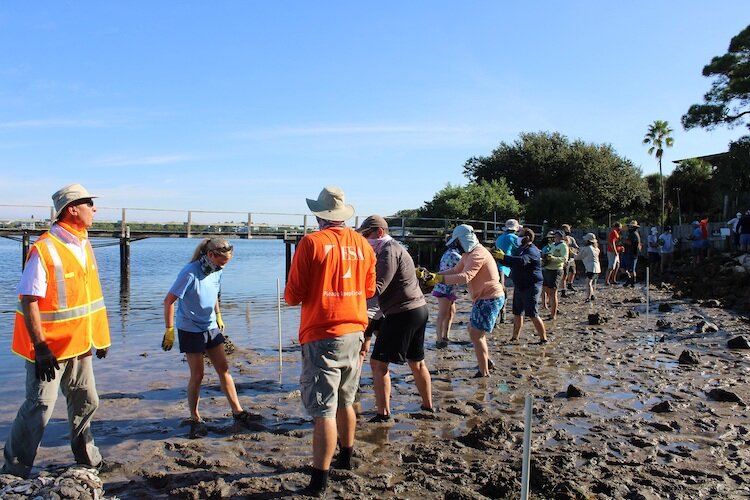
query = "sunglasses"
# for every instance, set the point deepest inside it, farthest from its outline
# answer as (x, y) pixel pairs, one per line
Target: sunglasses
(226, 249)
(86, 201)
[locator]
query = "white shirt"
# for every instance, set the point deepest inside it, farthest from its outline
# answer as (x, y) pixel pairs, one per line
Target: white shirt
(34, 276)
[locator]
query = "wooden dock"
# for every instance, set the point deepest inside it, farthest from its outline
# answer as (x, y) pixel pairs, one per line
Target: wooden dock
(423, 236)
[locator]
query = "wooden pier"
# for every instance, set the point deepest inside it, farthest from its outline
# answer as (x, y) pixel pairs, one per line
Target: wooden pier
(424, 237)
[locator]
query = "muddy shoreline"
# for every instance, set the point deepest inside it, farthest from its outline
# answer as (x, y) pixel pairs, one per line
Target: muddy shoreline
(647, 424)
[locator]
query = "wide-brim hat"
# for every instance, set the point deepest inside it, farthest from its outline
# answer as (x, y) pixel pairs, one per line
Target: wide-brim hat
(589, 237)
(551, 234)
(512, 225)
(67, 195)
(331, 205)
(633, 223)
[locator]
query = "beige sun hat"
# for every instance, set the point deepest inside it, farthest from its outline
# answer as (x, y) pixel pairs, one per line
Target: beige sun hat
(331, 205)
(633, 223)
(589, 237)
(67, 195)
(512, 225)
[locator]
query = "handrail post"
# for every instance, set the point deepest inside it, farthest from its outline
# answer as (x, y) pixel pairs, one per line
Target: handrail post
(403, 228)
(122, 224)
(249, 225)
(304, 222)
(189, 222)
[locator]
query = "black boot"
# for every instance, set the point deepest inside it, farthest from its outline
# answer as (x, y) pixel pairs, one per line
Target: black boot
(318, 483)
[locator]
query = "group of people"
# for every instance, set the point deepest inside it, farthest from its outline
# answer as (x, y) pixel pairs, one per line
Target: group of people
(351, 285)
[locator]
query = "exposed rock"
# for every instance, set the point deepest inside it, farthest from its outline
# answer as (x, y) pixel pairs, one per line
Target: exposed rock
(689, 357)
(632, 313)
(711, 303)
(723, 395)
(574, 392)
(706, 327)
(739, 342)
(663, 324)
(663, 407)
(665, 307)
(597, 319)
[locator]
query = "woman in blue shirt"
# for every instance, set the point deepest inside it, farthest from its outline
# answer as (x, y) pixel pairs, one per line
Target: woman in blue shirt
(200, 327)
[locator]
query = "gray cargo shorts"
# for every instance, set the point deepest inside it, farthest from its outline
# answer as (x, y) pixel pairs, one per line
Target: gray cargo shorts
(330, 374)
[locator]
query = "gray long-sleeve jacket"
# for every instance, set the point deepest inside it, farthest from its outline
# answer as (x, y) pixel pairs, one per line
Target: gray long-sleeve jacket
(396, 280)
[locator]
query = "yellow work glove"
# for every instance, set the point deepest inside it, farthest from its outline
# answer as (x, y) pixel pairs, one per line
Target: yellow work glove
(498, 254)
(421, 273)
(219, 322)
(432, 279)
(168, 340)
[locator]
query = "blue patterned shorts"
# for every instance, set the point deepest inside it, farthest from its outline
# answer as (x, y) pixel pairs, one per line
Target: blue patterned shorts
(484, 313)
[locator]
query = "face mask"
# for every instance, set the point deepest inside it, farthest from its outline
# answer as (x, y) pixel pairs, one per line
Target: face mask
(207, 266)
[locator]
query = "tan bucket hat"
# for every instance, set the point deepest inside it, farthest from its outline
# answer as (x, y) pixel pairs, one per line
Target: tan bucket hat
(67, 195)
(331, 205)
(512, 225)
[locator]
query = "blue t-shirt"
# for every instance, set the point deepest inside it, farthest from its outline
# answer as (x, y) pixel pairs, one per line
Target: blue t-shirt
(198, 293)
(507, 242)
(698, 241)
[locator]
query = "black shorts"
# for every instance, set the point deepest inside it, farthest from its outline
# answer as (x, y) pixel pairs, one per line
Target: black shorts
(373, 326)
(199, 342)
(401, 337)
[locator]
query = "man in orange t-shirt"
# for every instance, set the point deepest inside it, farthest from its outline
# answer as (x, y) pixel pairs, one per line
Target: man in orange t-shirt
(332, 275)
(613, 254)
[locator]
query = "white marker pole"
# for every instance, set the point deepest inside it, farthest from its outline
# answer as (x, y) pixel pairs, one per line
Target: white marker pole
(648, 279)
(526, 463)
(278, 315)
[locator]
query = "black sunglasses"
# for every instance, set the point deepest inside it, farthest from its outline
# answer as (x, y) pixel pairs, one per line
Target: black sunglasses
(85, 201)
(226, 249)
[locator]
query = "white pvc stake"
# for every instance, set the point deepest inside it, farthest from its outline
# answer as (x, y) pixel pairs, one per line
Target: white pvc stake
(278, 315)
(648, 280)
(526, 463)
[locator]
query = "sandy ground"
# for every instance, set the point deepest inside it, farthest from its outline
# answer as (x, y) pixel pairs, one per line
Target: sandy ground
(646, 425)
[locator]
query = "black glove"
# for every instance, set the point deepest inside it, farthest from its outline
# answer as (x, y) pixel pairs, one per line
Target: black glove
(45, 362)
(102, 353)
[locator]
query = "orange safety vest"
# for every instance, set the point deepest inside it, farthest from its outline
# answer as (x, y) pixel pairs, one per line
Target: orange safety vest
(72, 313)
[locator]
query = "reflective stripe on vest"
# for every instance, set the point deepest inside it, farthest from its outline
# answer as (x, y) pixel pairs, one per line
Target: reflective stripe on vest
(62, 298)
(67, 314)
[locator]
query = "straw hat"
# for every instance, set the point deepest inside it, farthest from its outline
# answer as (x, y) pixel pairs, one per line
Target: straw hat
(331, 205)
(633, 223)
(67, 195)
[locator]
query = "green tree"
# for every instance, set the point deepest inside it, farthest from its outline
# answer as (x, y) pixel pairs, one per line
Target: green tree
(658, 137)
(477, 201)
(727, 101)
(543, 161)
(732, 175)
(694, 180)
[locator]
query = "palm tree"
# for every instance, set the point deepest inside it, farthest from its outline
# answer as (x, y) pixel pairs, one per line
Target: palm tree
(659, 137)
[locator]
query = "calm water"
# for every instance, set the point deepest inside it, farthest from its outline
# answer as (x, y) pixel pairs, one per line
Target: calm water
(249, 305)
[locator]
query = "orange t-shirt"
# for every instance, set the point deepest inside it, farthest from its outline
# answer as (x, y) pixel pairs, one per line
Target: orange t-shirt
(332, 275)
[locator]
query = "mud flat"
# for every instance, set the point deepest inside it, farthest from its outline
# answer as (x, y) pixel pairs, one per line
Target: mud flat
(635, 405)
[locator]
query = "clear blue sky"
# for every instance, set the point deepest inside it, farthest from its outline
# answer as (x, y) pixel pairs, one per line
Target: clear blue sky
(253, 106)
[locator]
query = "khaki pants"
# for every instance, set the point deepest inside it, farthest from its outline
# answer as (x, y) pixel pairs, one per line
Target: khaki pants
(76, 379)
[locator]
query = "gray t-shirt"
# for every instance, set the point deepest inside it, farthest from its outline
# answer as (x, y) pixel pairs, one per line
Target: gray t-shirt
(396, 280)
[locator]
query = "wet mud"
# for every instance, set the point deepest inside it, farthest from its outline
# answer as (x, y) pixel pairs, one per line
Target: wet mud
(630, 402)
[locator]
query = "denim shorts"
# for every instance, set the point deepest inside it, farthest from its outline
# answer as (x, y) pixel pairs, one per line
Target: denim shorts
(330, 374)
(199, 342)
(484, 313)
(629, 262)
